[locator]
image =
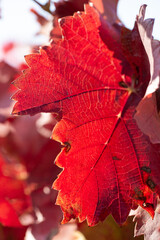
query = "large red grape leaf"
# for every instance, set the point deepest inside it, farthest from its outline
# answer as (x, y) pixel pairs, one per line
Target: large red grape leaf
(108, 163)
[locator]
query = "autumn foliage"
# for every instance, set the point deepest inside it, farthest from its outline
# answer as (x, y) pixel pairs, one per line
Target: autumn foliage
(91, 81)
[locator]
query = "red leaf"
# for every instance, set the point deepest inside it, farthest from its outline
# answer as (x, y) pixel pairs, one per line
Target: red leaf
(108, 164)
(13, 200)
(62, 9)
(8, 216)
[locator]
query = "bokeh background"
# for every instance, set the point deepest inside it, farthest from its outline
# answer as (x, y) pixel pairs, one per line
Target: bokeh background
(26, 152)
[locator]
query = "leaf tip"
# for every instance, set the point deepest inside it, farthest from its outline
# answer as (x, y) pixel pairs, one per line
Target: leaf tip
(142, 11)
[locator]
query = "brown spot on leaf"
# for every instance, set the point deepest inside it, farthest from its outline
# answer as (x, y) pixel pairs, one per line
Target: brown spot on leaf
(67, 146)
(150, 184)
(146, 169)
(115, 158)
(139, 195)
